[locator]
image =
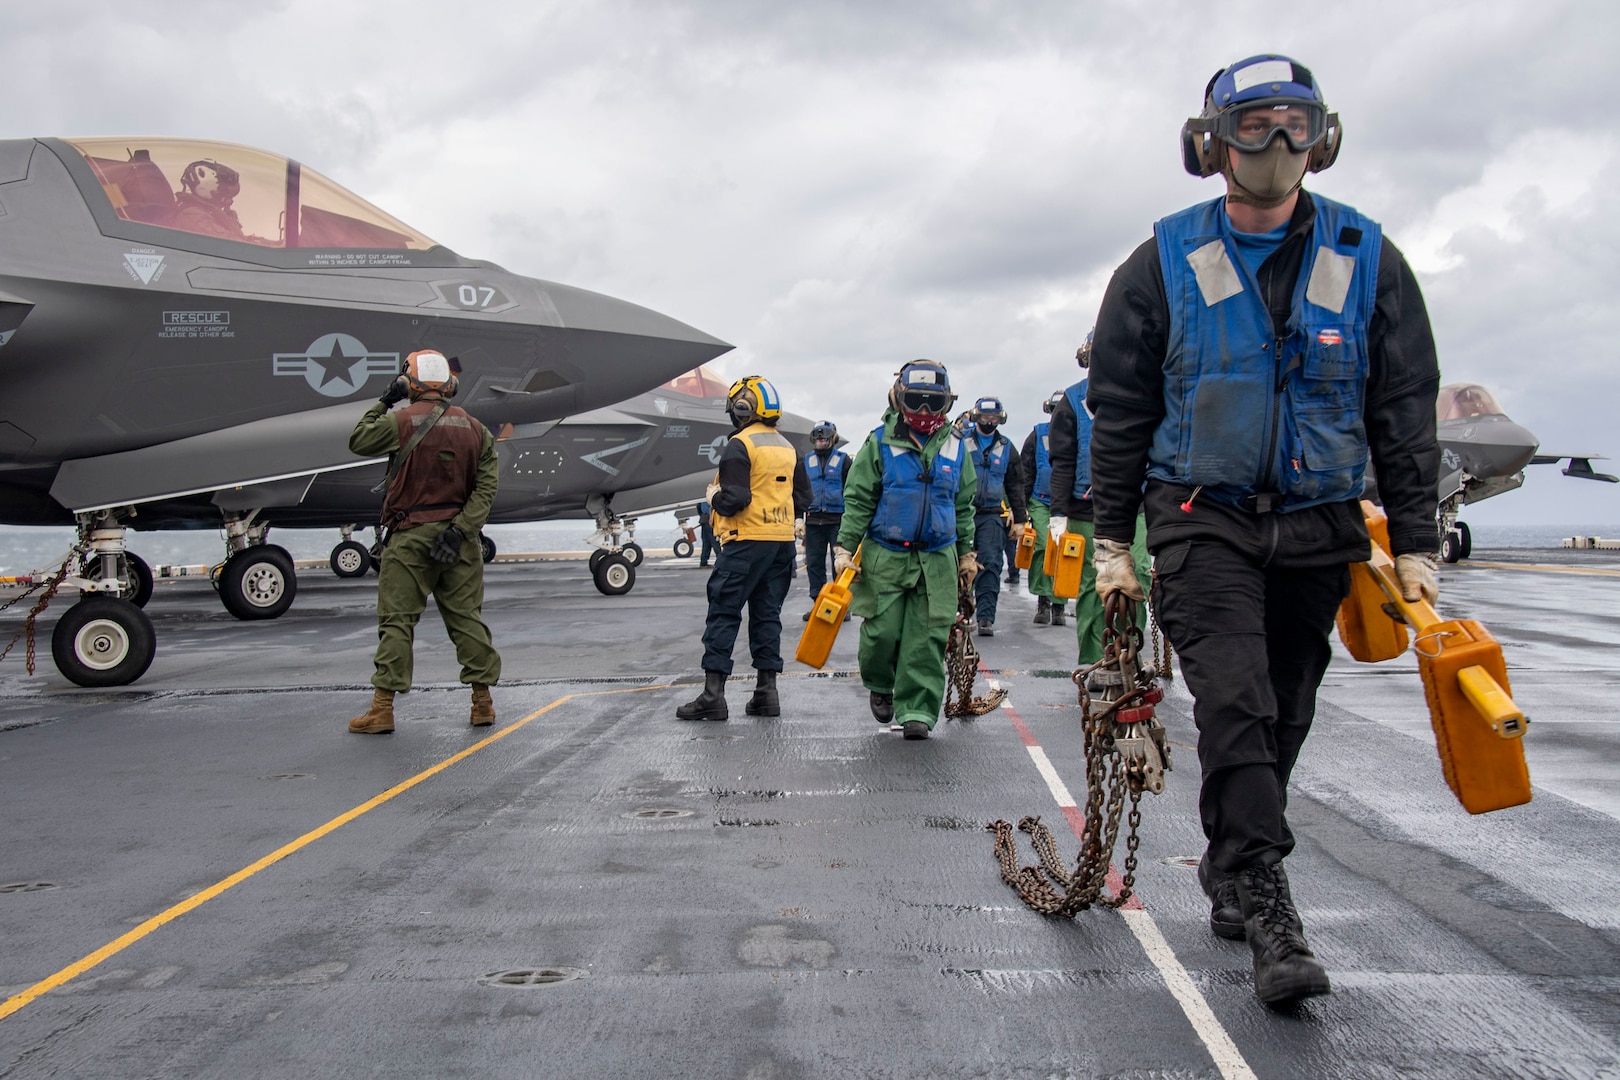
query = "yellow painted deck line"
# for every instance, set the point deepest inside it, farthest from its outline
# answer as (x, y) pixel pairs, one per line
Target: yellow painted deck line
(196, 900)
(1542, 568)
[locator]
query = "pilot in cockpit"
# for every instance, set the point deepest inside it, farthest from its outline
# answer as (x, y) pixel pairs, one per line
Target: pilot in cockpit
(204, 201)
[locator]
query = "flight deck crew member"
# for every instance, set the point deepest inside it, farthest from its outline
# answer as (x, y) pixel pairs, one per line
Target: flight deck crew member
(995, 462)
(705, 514)
(442, 472)
(1247, 359)
(908, 506)
(1035, 468)
(759, 493)
(828, 468)
(1071, 498)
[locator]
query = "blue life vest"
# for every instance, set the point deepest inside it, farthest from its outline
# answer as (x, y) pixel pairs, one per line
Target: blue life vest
(917, 511)
(1246, 412)
(826, 480)
(1082, 439)
(990, 462)
(1042, 491)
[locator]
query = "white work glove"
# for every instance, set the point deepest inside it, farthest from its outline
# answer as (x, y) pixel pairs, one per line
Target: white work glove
(711, 492)
(798, 528)
(844, 559)
(1116, 570)
(1416, 572)
(967, 568)
(1016, 531)
(1058, 525)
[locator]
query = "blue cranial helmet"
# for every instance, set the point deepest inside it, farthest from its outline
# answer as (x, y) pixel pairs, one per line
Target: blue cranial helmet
(1253, 102)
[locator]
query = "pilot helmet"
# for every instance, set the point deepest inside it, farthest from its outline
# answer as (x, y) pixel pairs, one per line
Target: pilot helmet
(211, 182)
(1049, 406)
(752, 399)
(1082, 355)
(1270, 109)
(922, 395)
(427, 371)
(824, 435)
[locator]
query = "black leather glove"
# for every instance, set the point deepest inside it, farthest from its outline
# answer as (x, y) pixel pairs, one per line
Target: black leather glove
(398, 390)
(447, 545)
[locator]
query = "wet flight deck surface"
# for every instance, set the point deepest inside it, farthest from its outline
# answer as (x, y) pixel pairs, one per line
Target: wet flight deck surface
(598, 890)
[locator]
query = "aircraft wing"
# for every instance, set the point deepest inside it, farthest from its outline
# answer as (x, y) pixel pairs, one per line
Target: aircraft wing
(1580, 466)
(273, 460)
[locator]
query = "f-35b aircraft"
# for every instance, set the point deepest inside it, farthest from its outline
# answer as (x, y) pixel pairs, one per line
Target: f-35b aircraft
(1483, 454)
(655, 452)
(193, 320)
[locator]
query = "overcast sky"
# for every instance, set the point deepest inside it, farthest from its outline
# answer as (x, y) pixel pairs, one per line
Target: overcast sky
(836, 188)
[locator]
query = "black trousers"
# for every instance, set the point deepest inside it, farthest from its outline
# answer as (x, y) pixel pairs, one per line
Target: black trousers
(755, 573)
(1253, 644)
(818, 545)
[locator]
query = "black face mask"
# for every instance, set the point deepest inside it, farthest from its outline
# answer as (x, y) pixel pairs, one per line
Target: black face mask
(987, 427)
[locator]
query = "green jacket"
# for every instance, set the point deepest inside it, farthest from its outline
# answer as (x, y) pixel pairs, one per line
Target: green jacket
(378, 433)
(886, 574)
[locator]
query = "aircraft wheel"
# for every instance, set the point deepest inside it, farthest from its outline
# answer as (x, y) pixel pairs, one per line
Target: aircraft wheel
(614, 575)
(633, 554)
(1451, 547)
(488, 547)
(138, 590)
(350, 559)
(1466, 538)
(258, 583)
(683, 548)
(103, 641)
(596, 558)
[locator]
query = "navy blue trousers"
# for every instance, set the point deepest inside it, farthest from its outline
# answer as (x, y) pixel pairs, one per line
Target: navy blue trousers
(755, 574)
(989, 543)
(818, 545)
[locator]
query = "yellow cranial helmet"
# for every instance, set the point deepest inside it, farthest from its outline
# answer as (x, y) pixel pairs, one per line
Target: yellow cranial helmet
(752, 398)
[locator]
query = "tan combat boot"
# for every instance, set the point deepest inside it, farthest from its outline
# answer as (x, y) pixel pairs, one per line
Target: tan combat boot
(483, 707)
(379, 719)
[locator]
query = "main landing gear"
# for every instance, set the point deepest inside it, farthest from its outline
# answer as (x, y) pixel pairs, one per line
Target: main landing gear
(257, 579)
(105, 639)
(352, 559)
(613, 563)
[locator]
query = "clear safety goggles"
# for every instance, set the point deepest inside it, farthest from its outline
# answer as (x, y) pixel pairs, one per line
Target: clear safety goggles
(1251, 127)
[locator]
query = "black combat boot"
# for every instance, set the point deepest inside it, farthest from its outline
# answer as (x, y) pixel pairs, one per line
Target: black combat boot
(1057, 614)
(1043, 611)
(882, 707)
(709, 705)
(914, 729)
(1286, 972)
(764, 701)
(1225, 916)
(987, 628)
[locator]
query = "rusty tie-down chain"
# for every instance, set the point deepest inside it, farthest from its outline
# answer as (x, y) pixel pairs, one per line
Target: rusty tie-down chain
(1162, 653)
(962, 663)
(33, 613)
(1125, 752)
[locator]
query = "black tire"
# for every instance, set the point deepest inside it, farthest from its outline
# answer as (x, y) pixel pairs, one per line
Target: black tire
(488, 547)
(1466, 537)
(633, 554)
(139, 590)
(1451, 547)
(103, 641)
(258, 583)
(596, 558)
(683, 548)
(350, 559)
(614, 575)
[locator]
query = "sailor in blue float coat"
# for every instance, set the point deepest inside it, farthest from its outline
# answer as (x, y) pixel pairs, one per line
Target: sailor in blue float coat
(828, 468)
(1248, 362)
(1001, 491)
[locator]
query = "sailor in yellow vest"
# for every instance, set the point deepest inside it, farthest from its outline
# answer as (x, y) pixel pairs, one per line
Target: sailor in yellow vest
(760, 492)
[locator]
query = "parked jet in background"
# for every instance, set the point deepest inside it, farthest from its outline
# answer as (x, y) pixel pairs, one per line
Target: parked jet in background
(1483, 454)
(652, 453)
(182, 318)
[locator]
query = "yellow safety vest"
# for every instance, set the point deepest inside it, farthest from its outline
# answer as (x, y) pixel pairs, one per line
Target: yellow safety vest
(769, 514)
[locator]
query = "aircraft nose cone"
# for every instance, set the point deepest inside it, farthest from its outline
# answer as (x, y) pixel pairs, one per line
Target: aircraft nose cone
(1514, 446)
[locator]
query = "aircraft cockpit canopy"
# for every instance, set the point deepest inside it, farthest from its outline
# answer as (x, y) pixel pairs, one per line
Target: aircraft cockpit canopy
(1463, 401)
(700, 382)
(238, 193)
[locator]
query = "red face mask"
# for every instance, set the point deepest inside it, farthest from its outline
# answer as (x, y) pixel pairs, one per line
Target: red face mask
(925, 423)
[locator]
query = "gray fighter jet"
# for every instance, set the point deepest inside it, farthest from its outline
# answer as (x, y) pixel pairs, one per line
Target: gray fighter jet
(1484, 454)
(653, 453)
(187, 319)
